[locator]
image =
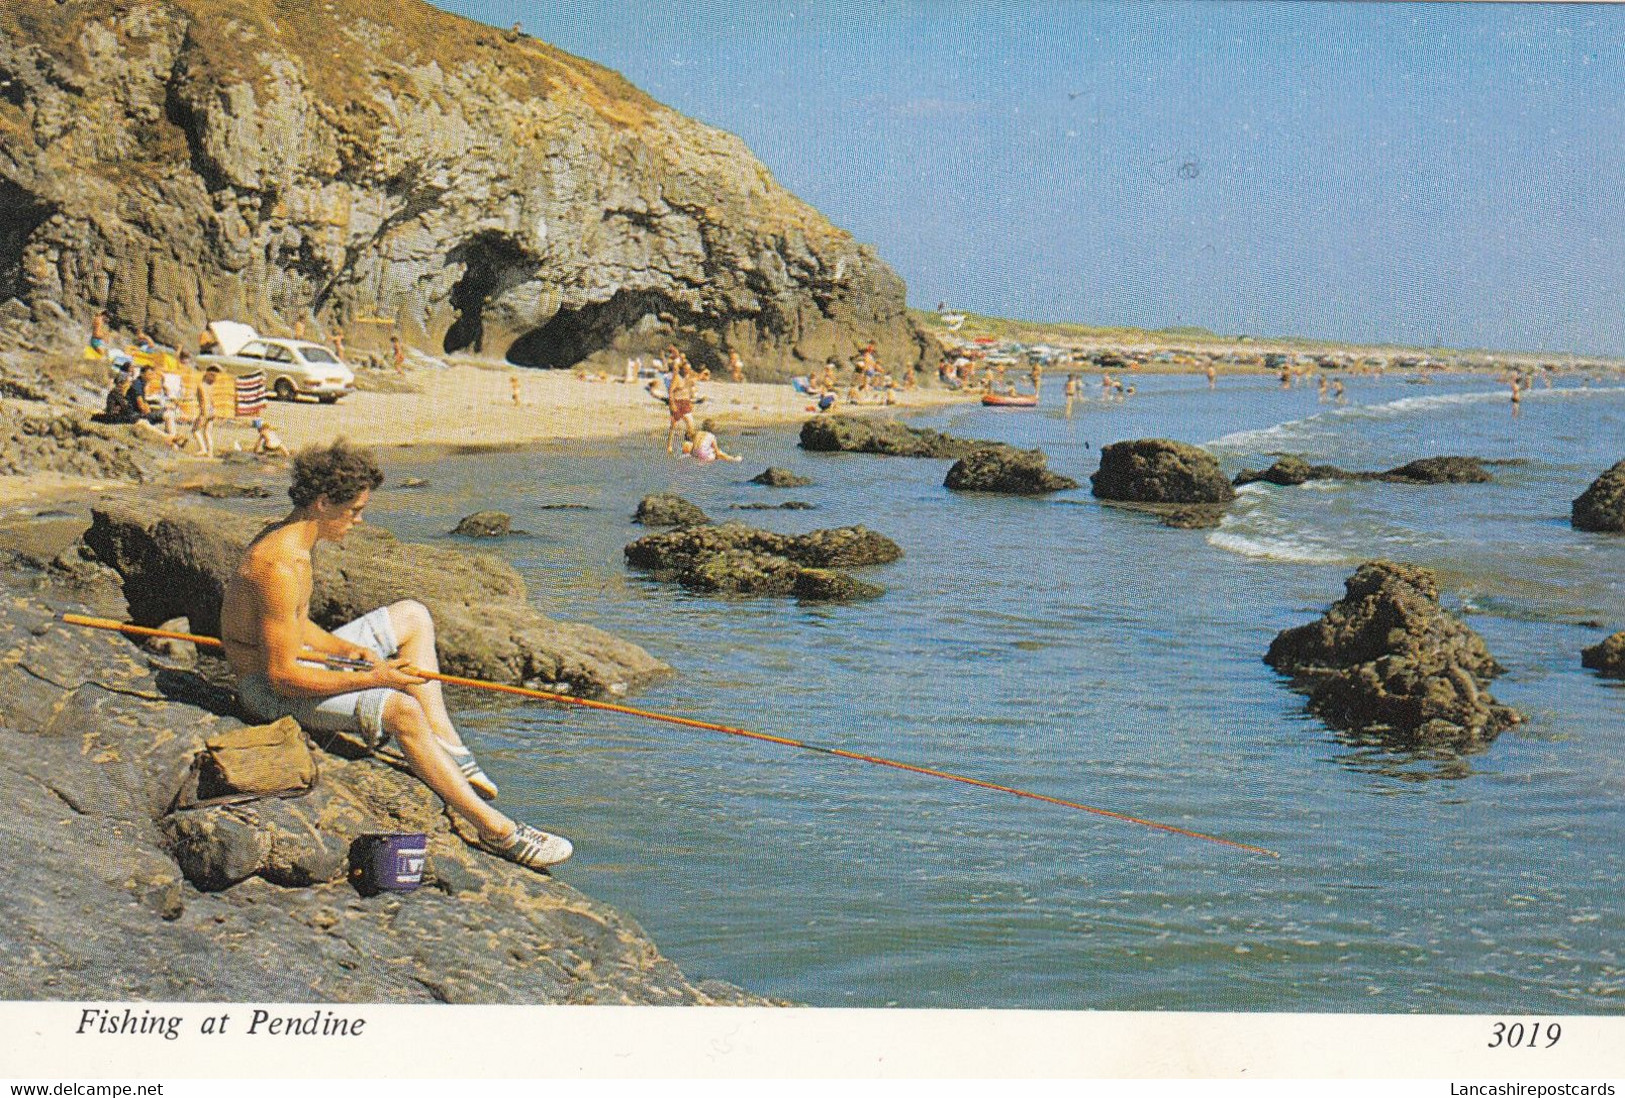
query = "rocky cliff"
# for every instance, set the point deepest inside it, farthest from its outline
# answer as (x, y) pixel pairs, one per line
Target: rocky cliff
(396, 168)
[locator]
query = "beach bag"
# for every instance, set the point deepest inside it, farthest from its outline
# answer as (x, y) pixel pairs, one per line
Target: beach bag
(249, 764)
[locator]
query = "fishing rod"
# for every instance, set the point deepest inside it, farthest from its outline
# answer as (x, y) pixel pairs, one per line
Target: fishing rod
(691, 722)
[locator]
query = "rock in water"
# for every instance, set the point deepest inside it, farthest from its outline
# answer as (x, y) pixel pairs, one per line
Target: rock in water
(665, 510)
(396, 160)
(175, 560)
(775, 477)
(736, 559)
(1439, 470)
(1607, 657)
(855, 434)
(1601, 507)
(1006, 469)
(1386, 659)
(1292, 470)
(485, 524)
(1157, 470)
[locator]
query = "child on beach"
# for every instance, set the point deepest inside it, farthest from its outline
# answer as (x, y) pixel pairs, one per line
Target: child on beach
(268, 441)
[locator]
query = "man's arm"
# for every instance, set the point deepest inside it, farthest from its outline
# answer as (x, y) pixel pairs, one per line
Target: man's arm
(282, 632)
(320, 640)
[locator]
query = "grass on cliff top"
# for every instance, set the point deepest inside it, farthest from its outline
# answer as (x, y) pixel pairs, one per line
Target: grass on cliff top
(344, 68)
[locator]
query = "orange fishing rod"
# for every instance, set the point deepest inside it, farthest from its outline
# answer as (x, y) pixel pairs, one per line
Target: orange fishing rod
(690, 722)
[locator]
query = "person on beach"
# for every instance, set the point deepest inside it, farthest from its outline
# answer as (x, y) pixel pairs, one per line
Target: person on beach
(513, 388)
(338, 344)
(98, 331)
(1337, 391)
(680, 402)
(736, 366)
(207, 342)
(203, 425)
(267, 441)
(1320, 397)
(146, 399)
(1071, 391)
(279, 655)
(397, 354)
(1212, 376)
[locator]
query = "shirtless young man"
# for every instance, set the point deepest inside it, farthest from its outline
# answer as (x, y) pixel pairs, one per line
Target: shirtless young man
(277, 653)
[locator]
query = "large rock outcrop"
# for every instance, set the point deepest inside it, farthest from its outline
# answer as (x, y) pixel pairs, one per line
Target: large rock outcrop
(1601, 507)
(862, 435)
(738, 560)
(109, 896)
(175, 560)
(1156, 470)
(177, 161)
(1387, 660)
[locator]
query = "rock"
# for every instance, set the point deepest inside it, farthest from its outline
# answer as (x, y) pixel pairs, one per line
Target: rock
(823, 585)
(1293, 470)
(233, 491)
(109, 898)
(1160, 471)
(1439, 470)
(854, 434)
(501, 197)
(1288, 471)
(485, 524)
(666, 510)
(1193, 518)
(780, 478)
(1601, 507)
(175, 560)
(787, 505)
(1387, 660)
(70, 444)
(1606, 657)
(736, 559)
(1008, 470)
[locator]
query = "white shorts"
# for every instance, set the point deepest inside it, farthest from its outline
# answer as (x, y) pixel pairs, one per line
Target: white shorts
(357, 711)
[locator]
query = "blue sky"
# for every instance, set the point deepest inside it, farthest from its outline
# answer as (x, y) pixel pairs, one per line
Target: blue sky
(1406, 173)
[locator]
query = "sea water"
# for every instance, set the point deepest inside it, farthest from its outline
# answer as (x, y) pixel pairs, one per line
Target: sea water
(1088, 653)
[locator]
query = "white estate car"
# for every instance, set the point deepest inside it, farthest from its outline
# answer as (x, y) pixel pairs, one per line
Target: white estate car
(292, 367)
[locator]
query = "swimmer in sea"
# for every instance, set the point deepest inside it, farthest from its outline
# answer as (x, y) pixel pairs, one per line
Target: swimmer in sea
(702, 445)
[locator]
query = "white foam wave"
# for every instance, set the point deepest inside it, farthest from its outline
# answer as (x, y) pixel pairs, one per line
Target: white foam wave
(1256, 488)
(1287, 549)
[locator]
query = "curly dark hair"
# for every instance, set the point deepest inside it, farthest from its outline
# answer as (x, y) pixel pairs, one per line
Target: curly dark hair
(340, 472)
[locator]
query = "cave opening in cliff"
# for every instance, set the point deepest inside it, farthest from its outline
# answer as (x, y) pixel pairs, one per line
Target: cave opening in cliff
(20, 214)
(632, 322)
(492, 265)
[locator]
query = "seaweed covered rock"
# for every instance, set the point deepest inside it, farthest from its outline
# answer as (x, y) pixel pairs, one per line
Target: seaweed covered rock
(1439, 470)
(1606, 657)
(1288, 471)
(73, 445)
(1387, 660)
(1195, 517)
(1008, 470)
(175, 559)
(1157, 470)
(774, 477)
(668, 510)
(736, 559)
(485, 524)
(853, 434)
(1601, 507)
(1450, 469)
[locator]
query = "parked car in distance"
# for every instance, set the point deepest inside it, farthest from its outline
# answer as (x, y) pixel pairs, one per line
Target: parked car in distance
(292, 367)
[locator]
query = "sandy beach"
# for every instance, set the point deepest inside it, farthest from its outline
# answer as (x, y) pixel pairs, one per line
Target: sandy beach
(468, 404)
